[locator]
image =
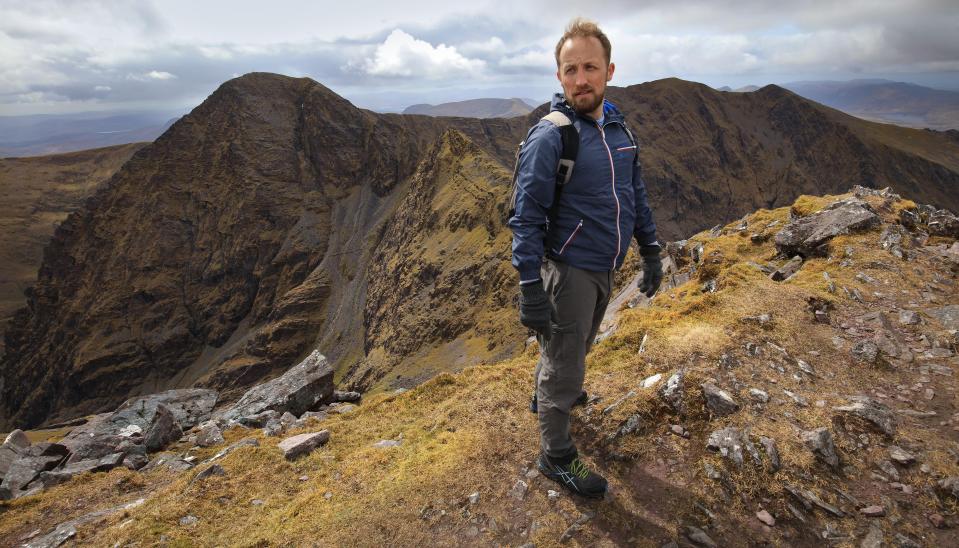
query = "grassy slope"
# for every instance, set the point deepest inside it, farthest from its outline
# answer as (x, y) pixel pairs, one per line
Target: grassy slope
(471, 432)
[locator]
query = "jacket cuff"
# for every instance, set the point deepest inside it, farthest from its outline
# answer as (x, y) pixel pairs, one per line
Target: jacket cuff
(529, 275)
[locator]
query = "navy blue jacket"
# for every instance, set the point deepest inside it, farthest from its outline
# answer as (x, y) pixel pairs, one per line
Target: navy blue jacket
(601, 207)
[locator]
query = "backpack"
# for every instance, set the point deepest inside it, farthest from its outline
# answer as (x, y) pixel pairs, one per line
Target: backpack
(567, 159)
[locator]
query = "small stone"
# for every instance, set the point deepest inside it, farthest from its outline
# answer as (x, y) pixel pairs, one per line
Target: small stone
(552, 495)
(209, 435)
(304, 478)
(189, 521)
(888, 469)
(302, 444)
(474, 497)
(213, 470)
(673, 391)
(901, 456)
(937, 521)
(908, 317)
(519, 490)
(772, 453)
(819, 441)
(758, 395)
(651, 381)
(18, 438)
(257, 502)
(699, 537)
(762, 320)
(873, 538)
(800, 401)
(677, 429)
(865, 352)
(873, 412)
(785, 271)
(719, 402)
(729, 443)
(766, 518)
(343, 408)
(327, 495)
(383, 444)
(874, 511)
(346, 396)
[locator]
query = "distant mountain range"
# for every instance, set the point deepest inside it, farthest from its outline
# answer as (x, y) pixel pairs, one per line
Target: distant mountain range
(476, 108)
(39, 134)
(879, 100)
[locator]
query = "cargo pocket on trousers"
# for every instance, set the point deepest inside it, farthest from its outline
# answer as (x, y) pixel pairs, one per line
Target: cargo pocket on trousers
(563, 349)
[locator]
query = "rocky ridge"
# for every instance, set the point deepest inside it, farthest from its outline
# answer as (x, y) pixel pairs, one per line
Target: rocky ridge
(733, 408)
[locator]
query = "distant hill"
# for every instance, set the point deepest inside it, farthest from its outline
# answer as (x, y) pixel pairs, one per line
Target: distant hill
(39, 134)
(475, 108)
(886, 101)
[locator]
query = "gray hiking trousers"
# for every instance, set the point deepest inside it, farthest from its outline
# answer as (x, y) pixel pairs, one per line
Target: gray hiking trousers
(579, 299)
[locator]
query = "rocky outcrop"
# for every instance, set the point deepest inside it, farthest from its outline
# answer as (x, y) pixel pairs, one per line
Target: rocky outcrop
(300, 389)
(805, 236)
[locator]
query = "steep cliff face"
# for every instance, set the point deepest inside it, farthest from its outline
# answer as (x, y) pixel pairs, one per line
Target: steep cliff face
(440, 281)
(277, 218)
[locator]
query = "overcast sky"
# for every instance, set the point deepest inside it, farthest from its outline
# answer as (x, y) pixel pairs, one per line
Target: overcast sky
(78, 55)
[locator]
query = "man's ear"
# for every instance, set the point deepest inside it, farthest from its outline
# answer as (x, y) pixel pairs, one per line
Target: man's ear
(557, 76)
(609, 71)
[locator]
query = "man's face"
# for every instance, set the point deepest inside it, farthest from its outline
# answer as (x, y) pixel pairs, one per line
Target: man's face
(583, 73)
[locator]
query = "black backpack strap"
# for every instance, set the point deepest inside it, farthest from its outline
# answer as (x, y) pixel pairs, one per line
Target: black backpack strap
(567, 159)
(567, 156)
(632, 141)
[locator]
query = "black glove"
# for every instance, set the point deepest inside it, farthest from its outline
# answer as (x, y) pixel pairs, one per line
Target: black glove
(534, 308)
(652, 269)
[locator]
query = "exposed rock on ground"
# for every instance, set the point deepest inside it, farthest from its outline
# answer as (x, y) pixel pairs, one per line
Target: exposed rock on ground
(298, 390)
(806, 235)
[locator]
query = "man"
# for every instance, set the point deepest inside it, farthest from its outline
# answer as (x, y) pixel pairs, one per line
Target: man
(582, 229)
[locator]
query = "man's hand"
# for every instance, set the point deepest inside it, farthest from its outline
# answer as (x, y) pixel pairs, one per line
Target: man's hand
(652, 269)
(534, 308)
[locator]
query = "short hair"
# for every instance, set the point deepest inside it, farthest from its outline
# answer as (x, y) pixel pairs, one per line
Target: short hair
(584, 28)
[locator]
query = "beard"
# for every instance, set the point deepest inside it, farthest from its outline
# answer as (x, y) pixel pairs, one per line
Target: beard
(587, 103)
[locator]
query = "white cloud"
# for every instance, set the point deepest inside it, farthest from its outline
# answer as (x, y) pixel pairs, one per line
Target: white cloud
(403, 55)
(102, 88)
(160, 75)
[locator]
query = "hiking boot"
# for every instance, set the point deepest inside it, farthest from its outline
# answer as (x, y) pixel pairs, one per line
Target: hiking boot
(573, 474)
(581, 400)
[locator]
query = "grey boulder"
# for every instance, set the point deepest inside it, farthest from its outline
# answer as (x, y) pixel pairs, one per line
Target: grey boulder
(805, 236)
(302, 444)
(298, 390)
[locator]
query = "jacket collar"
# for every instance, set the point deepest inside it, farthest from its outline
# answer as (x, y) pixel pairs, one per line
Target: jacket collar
(610, 112)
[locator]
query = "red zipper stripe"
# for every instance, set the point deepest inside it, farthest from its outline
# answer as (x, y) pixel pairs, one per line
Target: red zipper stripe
(571, 236)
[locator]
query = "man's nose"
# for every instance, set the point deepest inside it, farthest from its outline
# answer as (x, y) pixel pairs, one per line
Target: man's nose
(581, 78)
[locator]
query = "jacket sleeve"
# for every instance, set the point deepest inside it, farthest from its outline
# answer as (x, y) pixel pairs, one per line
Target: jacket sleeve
(645, 231)
(535, 187)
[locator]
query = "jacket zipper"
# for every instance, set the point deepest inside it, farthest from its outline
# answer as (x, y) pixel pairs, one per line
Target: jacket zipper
(571, 236)
(619, 236)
